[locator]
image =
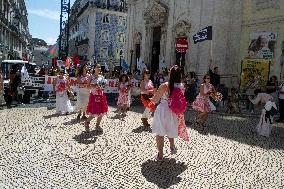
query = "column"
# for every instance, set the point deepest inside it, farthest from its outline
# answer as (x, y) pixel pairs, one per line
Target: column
(148, 45)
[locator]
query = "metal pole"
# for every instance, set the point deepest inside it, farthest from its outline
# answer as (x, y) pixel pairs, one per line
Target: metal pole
(120, 64)
(131, 52)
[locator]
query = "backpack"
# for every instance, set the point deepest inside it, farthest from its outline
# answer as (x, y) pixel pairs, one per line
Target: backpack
(177, 101)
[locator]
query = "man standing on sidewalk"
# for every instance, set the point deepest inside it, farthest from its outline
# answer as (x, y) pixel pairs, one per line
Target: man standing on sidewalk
(215, 81)
(281, 101)
(214, 76)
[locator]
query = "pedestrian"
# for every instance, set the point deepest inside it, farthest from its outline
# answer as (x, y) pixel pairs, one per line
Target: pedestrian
(61, 85)
(214, 75)
(264, 126)
(281, 101)
(271, 87)
(2, 100)
(169, 116)
(83, 92)
(97, 105)
(123, 99)
(147, 92)
(203, 103)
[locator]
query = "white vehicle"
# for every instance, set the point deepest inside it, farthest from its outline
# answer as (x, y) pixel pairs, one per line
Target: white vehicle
(6, 66)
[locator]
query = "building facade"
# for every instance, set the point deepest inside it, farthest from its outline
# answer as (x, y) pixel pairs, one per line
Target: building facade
(15, 39)
(263, 22)
(154, 26)
(40, 52)
(97, 30)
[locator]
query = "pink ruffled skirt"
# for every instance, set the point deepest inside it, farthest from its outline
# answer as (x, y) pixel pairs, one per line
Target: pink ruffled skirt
(202, 104)
(97, 105)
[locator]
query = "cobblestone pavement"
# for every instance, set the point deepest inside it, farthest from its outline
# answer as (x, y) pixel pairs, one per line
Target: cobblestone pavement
(40, 150)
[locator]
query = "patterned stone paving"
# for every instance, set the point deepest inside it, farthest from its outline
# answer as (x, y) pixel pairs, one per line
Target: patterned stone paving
(40, 150)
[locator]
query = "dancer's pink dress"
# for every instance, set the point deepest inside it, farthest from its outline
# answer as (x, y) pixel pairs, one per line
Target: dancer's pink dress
(97, 105)
(202, 103)
(123, 99)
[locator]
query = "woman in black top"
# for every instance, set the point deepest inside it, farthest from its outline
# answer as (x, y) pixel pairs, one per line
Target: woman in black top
(272, 85)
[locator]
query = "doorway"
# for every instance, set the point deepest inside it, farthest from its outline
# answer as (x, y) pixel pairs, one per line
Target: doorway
(137, 55)
(155, 50)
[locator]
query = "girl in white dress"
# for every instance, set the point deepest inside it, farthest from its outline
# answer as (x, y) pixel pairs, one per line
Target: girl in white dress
(264, 126)
(61, 85)
(83, 92)
(166, 122)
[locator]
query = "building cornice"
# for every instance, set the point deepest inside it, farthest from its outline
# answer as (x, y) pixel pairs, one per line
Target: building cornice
(263, 21)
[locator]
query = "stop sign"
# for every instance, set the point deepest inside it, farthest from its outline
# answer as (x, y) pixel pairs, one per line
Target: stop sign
(182, 45)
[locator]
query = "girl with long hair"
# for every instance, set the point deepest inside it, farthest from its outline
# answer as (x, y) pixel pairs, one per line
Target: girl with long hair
(61, 85)
(123, 87)
(97, 105)
(202, 102)
(147, 92)
(83, 92)
(169, 116)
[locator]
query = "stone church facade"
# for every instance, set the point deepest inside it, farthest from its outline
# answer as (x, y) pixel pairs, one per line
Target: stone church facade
(153, 26)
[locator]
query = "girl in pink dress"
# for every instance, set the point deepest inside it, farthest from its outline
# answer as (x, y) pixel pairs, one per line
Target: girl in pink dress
(123, 87)
(97, 105)
(202, 102)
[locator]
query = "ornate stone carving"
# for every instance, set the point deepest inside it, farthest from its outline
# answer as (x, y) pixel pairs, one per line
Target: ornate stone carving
(182, 28)
(156, 14)
(138, 38)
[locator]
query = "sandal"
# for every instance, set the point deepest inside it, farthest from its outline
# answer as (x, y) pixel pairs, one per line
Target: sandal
(159, 158)
(173, 150)
(87, 126)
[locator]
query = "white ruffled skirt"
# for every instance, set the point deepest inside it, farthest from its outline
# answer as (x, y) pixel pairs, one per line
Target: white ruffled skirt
(63, 104)
(82, 99)
(165, 122)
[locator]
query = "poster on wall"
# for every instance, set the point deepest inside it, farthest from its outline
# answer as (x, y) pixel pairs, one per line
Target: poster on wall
(254, 74)
(262, 45)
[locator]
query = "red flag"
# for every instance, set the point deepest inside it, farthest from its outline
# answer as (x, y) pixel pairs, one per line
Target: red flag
(76, 61)
(55, 63)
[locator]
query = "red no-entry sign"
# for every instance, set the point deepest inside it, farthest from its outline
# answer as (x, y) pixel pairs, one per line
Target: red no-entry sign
(182, 45)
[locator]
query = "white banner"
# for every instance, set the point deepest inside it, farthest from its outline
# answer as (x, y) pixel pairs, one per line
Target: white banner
(111, 86)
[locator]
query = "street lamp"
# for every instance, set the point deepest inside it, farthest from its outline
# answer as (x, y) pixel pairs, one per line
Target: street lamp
(131, 52)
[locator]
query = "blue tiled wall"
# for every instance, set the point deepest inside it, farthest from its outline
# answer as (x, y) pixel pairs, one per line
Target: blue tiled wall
(113, 29)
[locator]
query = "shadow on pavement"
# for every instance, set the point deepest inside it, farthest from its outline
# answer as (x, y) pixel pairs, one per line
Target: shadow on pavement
(243, 130)
(52, 116)
(163, 173)
(88, 138)
(142, 129)
(117, 116)
(73, 121)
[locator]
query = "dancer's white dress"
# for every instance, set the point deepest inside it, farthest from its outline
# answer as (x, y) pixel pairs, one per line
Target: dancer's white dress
(63, 104)
(264, 126)
(83, 95)
(165, 122)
